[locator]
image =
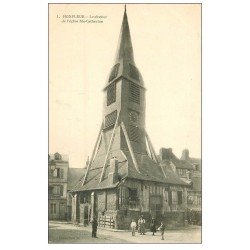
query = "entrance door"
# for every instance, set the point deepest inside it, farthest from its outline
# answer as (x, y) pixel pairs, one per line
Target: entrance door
(156, 207)
(86, 215)
(62, 211)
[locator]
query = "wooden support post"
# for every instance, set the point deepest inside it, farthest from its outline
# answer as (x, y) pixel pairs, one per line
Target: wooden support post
(151, 148)
(130, 147)
(153, 153)
(93, 154)
(110, 144)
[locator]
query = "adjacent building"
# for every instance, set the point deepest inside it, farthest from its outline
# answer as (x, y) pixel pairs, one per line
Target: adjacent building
(61, 180)
(189, 170)
(58, 172)
(74, 175)
(124, 178)
(194, 192)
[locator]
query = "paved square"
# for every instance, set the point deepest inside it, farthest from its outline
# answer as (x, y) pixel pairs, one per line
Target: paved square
(68, 233)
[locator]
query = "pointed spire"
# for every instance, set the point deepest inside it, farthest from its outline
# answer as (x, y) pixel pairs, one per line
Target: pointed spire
(124, 64)
(125, 49)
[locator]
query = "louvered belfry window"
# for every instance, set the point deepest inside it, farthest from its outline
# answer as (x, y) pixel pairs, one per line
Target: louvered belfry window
(133, 133)
(111, 93)
(134, 94)
(110, 119)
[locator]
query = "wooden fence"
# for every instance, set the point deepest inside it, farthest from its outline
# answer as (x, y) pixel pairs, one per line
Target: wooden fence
(106, 221)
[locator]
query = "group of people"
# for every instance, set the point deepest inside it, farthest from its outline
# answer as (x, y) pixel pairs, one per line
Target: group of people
(141, 227)
(133, 225)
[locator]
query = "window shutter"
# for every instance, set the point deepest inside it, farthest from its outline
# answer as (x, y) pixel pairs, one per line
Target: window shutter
(55, 173)
(179, 197)
(134, 133)
(169, 197)
(110, 119)
(61, 190)
(134, 95)
(61, 173)
(111, 93)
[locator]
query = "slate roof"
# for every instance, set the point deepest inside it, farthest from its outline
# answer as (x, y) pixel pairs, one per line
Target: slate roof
(74, 175)
(196, 161)
(177, 162)
(182, 164)
(149, 171)
(152, 171)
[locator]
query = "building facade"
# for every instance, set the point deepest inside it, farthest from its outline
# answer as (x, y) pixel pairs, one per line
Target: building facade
(189, 170)
(74, 175)
(124, 178)
(194, 198)
(58, 173)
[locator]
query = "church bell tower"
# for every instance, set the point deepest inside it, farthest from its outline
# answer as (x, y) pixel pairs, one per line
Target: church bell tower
(122, 134)
(124, 95)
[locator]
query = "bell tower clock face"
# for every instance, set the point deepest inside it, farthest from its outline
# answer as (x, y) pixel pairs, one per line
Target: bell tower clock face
(133, 116)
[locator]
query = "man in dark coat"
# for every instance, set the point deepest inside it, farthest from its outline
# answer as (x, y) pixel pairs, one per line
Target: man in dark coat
(153, 227)
(94, 227)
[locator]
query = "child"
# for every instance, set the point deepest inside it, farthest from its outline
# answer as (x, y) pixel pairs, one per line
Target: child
(133, 226)
(162, 229)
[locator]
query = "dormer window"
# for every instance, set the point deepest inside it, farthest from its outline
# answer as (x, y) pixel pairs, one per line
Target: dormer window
(114, 72)
(58, 156)
(133, 72)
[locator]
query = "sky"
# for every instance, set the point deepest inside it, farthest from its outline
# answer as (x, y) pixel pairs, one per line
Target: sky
(166, 41)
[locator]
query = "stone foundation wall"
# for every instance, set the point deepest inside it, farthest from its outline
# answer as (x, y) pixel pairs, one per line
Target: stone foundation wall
(101, 201)
(111, 199)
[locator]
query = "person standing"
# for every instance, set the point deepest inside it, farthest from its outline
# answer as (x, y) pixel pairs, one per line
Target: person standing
(133, 227)
(94, 227)
(141, 225)
(153, 227)
(162, 229)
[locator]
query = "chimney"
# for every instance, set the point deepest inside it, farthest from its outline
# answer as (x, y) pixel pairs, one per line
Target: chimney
(165, 154)
(113, 173)
(185, 155)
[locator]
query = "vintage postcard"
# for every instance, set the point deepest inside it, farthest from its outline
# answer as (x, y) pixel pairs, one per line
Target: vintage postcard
(124, 163)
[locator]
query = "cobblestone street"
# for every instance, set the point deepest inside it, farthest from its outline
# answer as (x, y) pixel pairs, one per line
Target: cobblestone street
(60, 232)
